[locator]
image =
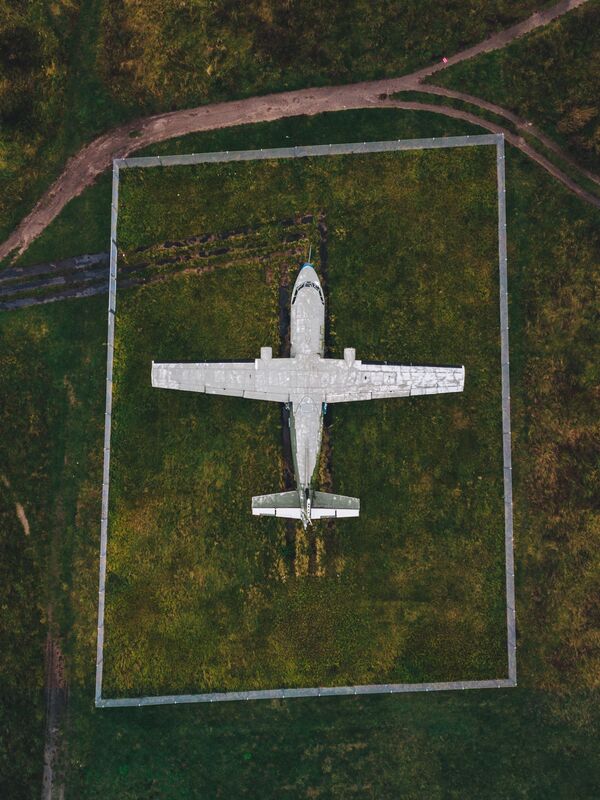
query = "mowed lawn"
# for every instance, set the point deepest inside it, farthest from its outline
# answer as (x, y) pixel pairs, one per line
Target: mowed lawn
(201, 596)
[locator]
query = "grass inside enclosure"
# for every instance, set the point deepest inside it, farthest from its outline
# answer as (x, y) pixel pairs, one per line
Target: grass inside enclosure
(200, 595)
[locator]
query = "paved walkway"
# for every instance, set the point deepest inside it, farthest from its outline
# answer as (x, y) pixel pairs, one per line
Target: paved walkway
(95, 158)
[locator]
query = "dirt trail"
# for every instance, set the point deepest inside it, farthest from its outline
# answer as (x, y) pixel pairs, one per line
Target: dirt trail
(56, 704)
(516, 141)
(521, 124)
(501, 39)
(83, 168)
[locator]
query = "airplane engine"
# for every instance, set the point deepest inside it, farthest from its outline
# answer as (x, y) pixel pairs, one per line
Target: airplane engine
(349, 355)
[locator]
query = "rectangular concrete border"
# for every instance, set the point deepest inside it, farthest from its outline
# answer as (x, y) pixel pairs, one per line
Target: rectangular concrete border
(303, 152)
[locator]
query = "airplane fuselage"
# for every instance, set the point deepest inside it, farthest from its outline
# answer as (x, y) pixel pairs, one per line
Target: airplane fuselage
(307, 345)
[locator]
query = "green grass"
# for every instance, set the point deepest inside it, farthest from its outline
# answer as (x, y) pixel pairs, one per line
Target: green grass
(76, 68)
(185, 57)
(550, 77)
(182, 554)
(537, 741)
(568, 168)
(484, 745)
(82, 227)
(51, 365)
(415, 591)
(84, 224)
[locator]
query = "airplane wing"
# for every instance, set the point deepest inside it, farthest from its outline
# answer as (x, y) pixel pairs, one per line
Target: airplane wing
(332, 380)
(256, 380)
(363, 381)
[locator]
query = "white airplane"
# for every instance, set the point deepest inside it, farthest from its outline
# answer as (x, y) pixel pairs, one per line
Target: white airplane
(306, 382)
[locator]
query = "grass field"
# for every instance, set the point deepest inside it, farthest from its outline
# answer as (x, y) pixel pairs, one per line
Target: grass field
(73, 69)
(551, 77)
(536, 741)
(52, 361)
(414, 590)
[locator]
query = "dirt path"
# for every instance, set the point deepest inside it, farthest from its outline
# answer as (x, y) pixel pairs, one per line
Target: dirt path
(56, 704)
(96, 157)
(521, 124)
(516, 141)
(501, 39)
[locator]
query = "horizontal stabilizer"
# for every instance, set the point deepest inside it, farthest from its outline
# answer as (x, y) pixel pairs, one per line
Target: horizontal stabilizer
(334, 505)
(282, 504)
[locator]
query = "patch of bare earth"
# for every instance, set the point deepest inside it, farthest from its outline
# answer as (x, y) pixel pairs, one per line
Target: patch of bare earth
(22, 517)
(56, 692)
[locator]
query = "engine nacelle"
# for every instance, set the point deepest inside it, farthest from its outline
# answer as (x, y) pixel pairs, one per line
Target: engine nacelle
(266, 353)
(349, 355)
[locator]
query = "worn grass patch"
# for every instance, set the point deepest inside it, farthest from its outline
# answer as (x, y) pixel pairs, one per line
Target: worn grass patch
(200, 595)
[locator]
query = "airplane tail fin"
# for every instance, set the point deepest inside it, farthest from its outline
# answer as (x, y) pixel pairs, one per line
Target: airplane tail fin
(281, 504)
(334, 505)
(287, 505)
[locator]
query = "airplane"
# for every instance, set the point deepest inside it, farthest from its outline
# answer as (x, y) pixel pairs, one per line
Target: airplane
(307, 382)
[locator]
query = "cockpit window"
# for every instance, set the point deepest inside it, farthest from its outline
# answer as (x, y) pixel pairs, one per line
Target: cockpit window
(313, 285)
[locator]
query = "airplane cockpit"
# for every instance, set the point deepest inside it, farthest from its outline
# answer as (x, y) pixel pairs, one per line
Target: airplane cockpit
(310, 284)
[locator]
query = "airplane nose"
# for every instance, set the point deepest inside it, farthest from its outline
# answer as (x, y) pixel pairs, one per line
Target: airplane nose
(308, 273)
